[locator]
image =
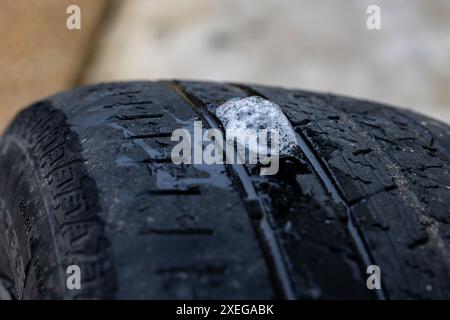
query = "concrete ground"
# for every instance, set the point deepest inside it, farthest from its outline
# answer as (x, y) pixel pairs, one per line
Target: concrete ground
(314, 44)
(322, 45)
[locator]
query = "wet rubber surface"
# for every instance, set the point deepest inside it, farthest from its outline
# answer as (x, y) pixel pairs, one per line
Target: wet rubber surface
(364, 184)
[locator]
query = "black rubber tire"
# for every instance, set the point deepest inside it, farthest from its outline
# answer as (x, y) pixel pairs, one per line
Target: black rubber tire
(86, 178)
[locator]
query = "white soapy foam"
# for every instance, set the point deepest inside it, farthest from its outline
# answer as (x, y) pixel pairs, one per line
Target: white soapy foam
(241, 118)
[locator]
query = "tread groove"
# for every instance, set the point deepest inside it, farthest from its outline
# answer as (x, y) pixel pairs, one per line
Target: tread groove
(271, 248)
(333, 188)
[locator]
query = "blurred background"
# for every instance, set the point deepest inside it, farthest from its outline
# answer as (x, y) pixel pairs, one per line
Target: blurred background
(320, 45)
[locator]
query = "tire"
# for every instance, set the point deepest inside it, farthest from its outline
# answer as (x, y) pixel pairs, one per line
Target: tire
(86, 179)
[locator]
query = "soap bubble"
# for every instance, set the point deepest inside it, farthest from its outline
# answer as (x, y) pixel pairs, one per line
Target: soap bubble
(244, 118)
